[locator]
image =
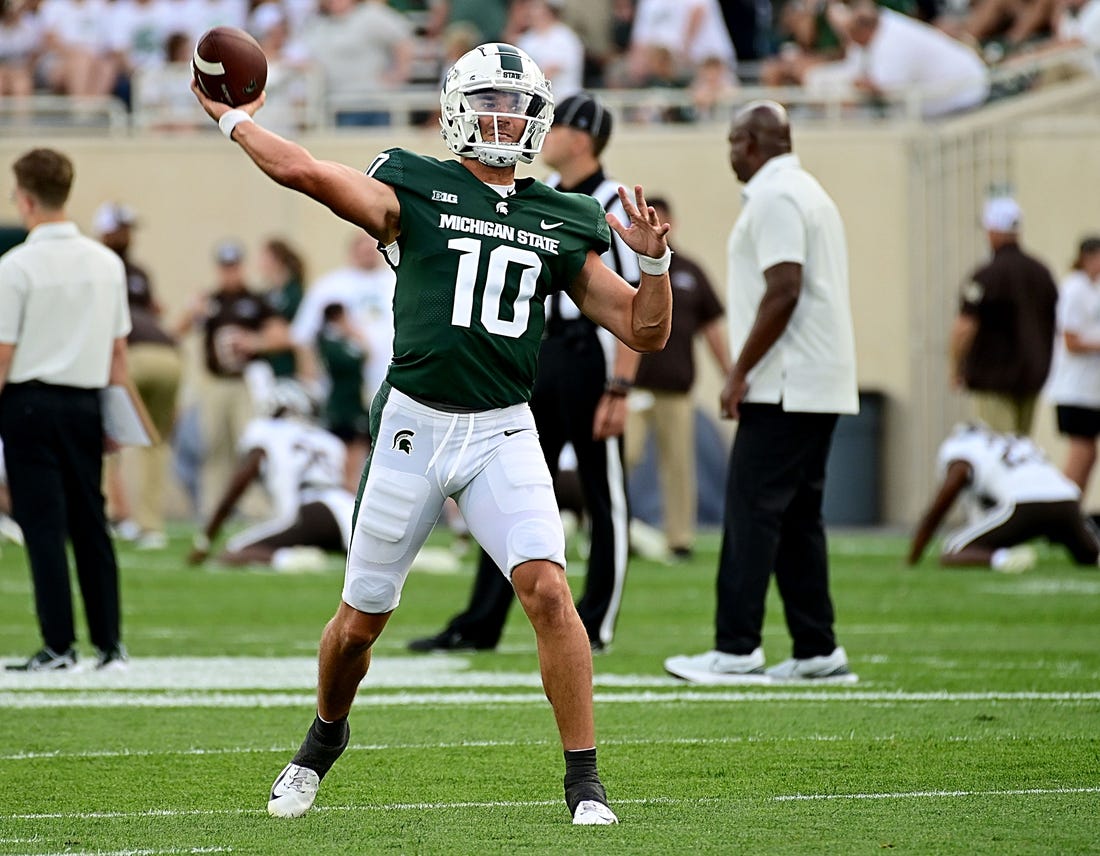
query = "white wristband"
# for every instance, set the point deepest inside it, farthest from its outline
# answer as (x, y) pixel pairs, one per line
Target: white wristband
(655, 267)
(231, 119)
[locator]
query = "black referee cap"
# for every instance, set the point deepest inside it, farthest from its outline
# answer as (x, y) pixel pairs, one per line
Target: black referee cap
(585, 113)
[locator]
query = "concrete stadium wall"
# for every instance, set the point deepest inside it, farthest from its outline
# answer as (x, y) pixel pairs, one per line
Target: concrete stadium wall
(191, 191)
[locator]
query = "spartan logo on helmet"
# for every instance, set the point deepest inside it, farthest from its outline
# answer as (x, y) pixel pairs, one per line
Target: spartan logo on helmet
(403, 441)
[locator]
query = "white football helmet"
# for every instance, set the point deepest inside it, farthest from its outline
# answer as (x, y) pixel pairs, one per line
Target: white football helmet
(496, 81)
(287, 397)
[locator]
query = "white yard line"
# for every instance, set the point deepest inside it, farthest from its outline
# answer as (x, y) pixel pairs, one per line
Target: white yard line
(497, 804)
(174, 850)
(481, 744)
(108, 699)
(292, 673)
(913, 795)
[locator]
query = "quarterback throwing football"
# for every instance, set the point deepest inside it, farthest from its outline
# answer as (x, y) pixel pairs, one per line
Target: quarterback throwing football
(476, 252)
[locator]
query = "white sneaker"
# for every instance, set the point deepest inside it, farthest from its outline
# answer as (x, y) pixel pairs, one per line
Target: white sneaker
(126, 530)
(9, 530)
(647, 542)
(592, 813)
(151, 540)
(1014, 560)
(300, 559)
(830, 669)
(293, 792)
(716, 667)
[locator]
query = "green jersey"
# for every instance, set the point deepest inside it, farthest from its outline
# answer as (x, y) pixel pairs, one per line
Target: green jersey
(285, 300)
(473, 274)
(343, 360)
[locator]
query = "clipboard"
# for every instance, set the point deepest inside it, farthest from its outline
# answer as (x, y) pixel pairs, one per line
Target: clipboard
(125, 419)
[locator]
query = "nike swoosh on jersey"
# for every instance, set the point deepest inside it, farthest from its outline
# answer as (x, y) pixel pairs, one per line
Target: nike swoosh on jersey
(549, 226)
(510, 431)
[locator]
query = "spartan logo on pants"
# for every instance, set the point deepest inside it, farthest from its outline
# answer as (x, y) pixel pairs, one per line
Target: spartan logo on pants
(403, 442)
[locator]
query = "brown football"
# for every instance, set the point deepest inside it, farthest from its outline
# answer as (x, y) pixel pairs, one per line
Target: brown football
(229, 66)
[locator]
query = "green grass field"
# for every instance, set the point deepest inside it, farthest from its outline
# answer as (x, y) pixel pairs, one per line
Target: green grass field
(975, 727)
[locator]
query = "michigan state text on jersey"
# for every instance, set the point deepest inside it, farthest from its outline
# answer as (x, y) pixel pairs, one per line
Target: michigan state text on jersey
(471, 303)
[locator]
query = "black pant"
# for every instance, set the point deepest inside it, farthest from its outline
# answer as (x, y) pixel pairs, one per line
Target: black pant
(53, 448)
(570, 383)
(773, 523)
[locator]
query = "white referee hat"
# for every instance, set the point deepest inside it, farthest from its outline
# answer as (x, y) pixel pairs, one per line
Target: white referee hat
(111, 216)
(1001, 214)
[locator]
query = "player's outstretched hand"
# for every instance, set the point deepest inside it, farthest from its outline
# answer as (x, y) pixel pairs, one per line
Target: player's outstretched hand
(646, 235)
(215, 109)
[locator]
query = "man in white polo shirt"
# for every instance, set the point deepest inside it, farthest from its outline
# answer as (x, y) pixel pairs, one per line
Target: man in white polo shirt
(63, 325)
(791, 329)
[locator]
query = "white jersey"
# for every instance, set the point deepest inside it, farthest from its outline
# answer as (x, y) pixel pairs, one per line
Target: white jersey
(302, 463)
(1075, 377)
(1006, 470)
(367, 295)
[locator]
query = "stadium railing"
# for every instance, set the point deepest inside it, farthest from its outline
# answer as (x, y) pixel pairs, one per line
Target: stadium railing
(63, 114)
(305, 106)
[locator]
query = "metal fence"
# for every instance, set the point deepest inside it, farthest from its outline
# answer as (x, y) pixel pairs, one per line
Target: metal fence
(297, 102)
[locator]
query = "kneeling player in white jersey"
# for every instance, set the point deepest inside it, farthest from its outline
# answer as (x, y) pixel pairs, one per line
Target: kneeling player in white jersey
(1013, 494)
(9, 529)
(301, 466)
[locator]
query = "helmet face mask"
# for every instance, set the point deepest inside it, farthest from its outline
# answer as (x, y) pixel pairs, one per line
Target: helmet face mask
(496, 106)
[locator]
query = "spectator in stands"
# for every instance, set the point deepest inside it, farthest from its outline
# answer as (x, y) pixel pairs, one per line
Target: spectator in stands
(198, 16)
(139, 32)
(1003, 336)
(490, 17)
(615, 66)
(712, 89)
(1011, 22)
(288, 82)
(155, 369)
(362, 49)
(691, 30)
(662, 400)
(156, 95)
(810, 40)
(1078, 21)
(283, 274)
(891, 54)
(77, 58)
(1075, 372)
(749, 23)
(536, 26)
(20, 44)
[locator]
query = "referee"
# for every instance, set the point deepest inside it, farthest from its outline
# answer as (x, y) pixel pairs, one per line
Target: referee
(63, 326)
(579, 398)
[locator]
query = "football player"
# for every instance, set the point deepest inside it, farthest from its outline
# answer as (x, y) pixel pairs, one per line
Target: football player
(9, 529)
(1012, 494)
(476, 252)
(301, 466)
